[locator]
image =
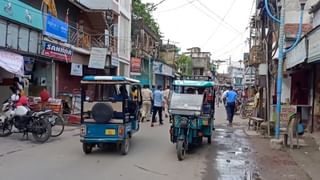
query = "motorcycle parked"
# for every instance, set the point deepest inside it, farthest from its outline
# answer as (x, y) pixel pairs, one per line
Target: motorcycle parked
(25, 121)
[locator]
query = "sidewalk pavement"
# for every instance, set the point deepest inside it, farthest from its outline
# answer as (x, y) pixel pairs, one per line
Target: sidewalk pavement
(289, 161)
(269, 164)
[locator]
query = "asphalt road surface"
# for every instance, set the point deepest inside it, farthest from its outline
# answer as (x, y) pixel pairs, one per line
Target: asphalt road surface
(151, 156)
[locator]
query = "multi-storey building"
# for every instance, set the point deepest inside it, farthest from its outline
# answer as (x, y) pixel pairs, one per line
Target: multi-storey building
(200, 61)
(55, 44)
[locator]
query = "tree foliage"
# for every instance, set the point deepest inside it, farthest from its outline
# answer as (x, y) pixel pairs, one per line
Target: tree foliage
(143, 11)
(184, 65)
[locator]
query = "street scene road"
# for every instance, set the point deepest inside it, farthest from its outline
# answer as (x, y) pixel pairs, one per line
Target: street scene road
(151, 156)
(230, 156)
(160, 89)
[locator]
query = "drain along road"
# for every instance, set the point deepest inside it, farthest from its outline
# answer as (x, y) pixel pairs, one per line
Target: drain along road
(151, 156)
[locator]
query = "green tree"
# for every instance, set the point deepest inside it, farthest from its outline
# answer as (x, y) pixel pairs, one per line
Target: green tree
(184, 65)
(143, 11)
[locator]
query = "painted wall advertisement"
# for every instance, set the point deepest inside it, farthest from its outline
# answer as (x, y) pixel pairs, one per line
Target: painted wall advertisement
(56, 28)
(97, 58)
(135, 68)
(21, 12)
(57, 51)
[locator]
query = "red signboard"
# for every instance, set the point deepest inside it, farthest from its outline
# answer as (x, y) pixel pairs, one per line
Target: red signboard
(57, 52)
(135, 67)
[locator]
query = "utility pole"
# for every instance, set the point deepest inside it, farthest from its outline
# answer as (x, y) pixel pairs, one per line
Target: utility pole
(280, 66)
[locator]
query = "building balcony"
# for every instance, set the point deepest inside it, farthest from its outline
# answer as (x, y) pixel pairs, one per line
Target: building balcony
(99, 4)
(86, 40)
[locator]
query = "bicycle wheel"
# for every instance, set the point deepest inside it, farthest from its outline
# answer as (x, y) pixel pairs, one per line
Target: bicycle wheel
(57, 123)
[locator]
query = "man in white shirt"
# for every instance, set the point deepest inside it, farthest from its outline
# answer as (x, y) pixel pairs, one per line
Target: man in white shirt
(223, 99)
(166, 96)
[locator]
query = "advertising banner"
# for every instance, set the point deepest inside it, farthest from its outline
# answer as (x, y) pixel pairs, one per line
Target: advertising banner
(21, 12)
(56, 28)
(57, 51)
(98, 58)
(135, 68)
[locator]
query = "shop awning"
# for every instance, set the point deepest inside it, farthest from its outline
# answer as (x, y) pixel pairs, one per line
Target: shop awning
(12, 62)
(297, 55)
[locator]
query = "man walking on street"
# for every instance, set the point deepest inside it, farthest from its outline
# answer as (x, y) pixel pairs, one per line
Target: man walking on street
(230, 98)
(157, 105)
(223, 99)
(146, 103)
(166, 95)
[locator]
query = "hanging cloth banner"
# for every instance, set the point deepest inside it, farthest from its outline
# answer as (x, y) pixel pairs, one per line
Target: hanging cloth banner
(12, 62)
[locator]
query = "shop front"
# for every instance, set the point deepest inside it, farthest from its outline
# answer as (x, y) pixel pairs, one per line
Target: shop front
(299, 89)
(164, 74)
(11, 65)
(20, 27)
(40, 73)
(314, 62)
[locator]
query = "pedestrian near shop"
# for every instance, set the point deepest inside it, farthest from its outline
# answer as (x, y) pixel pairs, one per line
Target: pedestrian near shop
(256, 102)
(146, 103)
(157, 105)
(44, 97)
(231, 98)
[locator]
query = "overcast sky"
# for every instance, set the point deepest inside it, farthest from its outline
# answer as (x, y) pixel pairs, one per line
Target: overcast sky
(216, 26)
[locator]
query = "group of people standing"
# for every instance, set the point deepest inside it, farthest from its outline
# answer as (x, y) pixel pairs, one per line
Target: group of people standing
(154, 102)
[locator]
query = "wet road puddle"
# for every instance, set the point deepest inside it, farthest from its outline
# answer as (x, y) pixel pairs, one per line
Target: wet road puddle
(231, 157)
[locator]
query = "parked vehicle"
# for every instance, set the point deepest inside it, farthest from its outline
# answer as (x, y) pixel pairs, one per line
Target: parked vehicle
(25, 121)
(192, 113)
(108, 115)
(57, 124)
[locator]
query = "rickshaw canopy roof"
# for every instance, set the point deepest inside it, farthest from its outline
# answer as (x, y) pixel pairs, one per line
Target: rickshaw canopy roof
(193, 83)
(108, 80)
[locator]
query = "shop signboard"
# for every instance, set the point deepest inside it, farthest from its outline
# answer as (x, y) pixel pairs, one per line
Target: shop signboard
(297, 55)
(57, 51)
(12, 62)
(97, 58)
(56, 28)
(114, 62)
(76, 69)
(28, 65)
(314, 46)
(22, 13)
(162, 69)
(135, 68)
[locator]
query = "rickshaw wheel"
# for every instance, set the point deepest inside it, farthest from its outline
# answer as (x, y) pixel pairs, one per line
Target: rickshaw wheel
(87, 148)
(181, 151)
(125, 145)
(209, 139)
